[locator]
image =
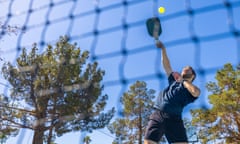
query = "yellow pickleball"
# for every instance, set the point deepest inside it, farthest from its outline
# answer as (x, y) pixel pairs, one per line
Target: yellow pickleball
(161, 10)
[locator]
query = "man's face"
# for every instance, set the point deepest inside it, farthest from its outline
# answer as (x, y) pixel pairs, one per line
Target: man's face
(187, 73)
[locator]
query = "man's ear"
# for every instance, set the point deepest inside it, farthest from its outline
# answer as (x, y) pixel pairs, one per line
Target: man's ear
(192, 78)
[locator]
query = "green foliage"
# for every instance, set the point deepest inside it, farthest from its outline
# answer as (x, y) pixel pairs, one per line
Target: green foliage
(222, 121)
(87, 140)
(54, 93)
(6, 132)
(137, 104)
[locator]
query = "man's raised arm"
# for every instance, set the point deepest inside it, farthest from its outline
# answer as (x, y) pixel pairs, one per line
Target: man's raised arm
(194, 90)
(165, 61)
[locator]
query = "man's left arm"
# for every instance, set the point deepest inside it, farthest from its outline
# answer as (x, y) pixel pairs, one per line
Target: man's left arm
(194, 90)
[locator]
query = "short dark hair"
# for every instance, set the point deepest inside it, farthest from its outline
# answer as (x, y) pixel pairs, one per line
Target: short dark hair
(193, 72)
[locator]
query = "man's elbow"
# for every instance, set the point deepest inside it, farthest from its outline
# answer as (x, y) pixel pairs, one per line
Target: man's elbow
(196, 92)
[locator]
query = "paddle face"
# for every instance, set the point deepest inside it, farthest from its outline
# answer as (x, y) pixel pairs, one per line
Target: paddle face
(154, 27)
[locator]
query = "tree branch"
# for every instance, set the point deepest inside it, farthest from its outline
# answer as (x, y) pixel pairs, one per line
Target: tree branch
(18, 125)
(18, 109)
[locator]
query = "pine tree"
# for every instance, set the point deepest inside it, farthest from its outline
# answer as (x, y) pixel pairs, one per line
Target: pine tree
(137, 103)
(53, 93)
(222, 121)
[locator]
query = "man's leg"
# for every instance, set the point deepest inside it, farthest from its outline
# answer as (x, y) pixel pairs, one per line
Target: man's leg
(155, 129)
(149, 142)
(175, 131)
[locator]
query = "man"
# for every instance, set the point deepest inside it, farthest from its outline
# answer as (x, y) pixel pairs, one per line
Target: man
(167, 119)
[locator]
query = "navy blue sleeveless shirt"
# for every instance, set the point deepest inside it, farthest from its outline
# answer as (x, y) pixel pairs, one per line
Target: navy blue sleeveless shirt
(174, 98)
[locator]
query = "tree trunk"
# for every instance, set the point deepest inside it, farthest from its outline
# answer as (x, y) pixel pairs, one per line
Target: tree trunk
(38, 135)
(39, 129)
(50, 135)
(140, 126)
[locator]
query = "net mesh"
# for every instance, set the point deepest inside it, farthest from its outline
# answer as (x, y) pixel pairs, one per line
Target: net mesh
(115, 34)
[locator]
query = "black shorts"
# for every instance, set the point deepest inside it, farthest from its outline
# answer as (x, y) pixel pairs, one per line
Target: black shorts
(161, 123)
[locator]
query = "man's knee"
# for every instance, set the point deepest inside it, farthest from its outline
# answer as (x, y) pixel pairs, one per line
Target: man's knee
(149, 142)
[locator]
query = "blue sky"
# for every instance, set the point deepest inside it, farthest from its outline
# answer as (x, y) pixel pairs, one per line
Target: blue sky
(212, 23)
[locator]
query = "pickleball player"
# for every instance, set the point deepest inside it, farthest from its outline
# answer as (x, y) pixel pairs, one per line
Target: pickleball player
(167, 116)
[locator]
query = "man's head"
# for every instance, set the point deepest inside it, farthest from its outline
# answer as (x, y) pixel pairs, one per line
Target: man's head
(188, 73)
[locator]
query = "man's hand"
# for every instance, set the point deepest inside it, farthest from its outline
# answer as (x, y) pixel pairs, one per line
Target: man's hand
(177, 76)
(195, 91)
(159, 44)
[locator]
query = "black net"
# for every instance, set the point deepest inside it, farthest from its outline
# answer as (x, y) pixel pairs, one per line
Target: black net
(203, 34)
